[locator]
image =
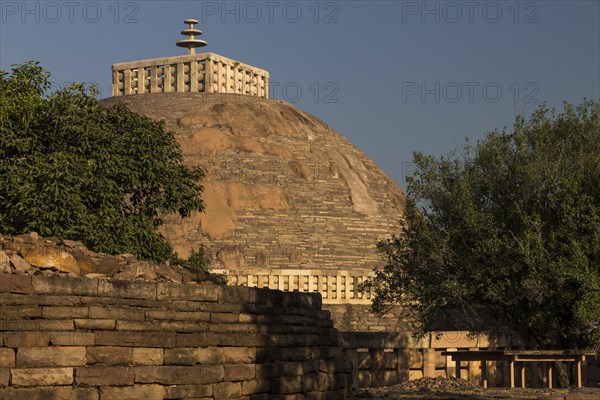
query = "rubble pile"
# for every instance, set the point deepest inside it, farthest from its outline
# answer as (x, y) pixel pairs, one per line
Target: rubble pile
(31, 254)
(439, 383)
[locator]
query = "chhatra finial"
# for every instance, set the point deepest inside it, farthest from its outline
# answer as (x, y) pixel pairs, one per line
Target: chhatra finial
(191, 42)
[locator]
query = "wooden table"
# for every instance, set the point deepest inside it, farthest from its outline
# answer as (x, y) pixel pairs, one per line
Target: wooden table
(520, 356)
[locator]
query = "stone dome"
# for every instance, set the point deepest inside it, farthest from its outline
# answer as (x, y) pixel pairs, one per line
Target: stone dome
(282, 190)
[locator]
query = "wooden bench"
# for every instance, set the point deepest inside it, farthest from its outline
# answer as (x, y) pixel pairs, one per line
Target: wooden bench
(521, 357)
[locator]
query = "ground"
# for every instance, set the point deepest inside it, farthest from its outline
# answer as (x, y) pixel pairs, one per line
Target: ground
(459, 389)
(394, 393)
(399, 393)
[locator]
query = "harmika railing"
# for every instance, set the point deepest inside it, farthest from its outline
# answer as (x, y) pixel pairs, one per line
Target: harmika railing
(206, 72)
(336, 287)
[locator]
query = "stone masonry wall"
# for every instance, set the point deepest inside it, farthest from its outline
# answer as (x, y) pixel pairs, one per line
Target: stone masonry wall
(99, 339)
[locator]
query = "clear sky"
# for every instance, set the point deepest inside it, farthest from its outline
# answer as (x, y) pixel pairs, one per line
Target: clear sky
(392, 76)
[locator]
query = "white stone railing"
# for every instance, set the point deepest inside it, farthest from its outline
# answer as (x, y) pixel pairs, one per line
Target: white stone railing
(336, 287)
(206, 72)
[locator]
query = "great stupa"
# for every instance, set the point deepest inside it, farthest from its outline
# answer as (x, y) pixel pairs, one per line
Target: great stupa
(290, 203)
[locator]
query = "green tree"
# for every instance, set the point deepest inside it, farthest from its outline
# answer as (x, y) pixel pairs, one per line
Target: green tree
(76, 170)
(509, 228)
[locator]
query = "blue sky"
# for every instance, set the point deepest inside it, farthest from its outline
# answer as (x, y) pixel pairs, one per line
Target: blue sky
(392, 76)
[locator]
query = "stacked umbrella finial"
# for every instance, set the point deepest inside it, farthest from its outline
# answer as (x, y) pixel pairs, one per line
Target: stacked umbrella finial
(191, 42)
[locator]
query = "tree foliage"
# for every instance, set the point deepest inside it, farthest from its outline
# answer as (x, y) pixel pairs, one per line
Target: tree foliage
(76, 170)
(509, 227)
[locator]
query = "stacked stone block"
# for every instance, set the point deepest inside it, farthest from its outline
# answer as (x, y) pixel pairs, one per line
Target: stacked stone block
(71, 338)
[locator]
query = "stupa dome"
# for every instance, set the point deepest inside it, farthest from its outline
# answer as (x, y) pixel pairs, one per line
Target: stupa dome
(283, 190)
(290, 203)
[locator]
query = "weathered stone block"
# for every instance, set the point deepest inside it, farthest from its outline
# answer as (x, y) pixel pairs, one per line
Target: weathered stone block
(148, 356)
(188, 291)
(4, 376)
(217, 318)
(291, 369)
(146, 392)
(175, 375)
(226, 390)
(7, 357)
(337, 365)
(178, 315)
(65, 312)
(127, 314)
(256, 386)
(11, 283)
(313, 396)
(62, 285)
(95, 324)
(20, 312)
(198, 339)
(109, 355)
(134, 339)
(209, 355)
(69, 338)
(282, 340)
(266, 371)
(314, 382)
(38, 299)
(241, 339)
(173, 326)
(188, 391)
(310, 366)
(240, 372)
(292, 384)
(41, 376)
(51, 356)
(99, 376)
(340, 381)
(26, 339)
(37, 325)
(127, 289)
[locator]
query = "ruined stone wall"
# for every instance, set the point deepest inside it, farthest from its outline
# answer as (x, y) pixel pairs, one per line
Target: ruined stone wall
(100, 339)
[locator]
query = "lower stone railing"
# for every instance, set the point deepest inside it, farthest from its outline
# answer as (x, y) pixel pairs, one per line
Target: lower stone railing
(335, 287)
(385, 359)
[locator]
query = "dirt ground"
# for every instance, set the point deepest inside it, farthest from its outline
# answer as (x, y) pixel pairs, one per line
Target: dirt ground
(398, 393)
